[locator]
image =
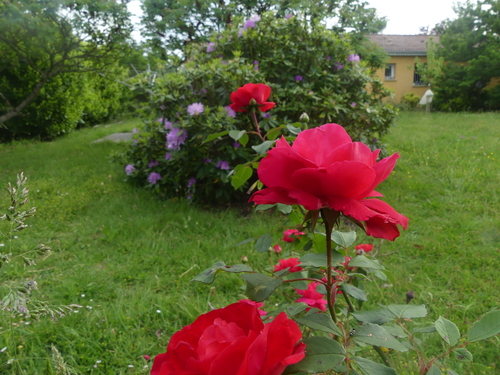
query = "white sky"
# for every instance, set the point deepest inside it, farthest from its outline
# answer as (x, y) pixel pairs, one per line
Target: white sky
(404, 16)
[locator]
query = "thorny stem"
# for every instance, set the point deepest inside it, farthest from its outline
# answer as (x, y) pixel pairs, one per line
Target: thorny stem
(257, 126)
(329, 281)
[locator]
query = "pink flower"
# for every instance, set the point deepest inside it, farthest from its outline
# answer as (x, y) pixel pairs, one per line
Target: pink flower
(311, 297)
(325, 168)
(353, 58)
(146, 357)
(291, 234)
(292, 263)
(277, 249)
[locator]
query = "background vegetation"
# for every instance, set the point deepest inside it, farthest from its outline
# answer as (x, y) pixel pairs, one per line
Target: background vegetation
(127, 258)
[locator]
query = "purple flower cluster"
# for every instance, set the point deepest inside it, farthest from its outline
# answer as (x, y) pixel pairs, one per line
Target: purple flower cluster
(175, 138)
(153, 163)
(288, 16)
(249, 24)
(224, 165)
(353, 58)
(338, 66)
(168, 155)
(211, 47)
(298, 78)
(129, 169)
(191, 182)
(230, 112)
(195, 109)
(153, 178)
(166, 123)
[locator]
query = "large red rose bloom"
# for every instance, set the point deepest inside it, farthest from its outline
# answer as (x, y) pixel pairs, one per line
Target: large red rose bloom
(324, 168)
(232, 341)
(259, 92)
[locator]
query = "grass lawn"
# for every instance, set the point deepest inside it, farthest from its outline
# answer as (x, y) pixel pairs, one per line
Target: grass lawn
(127, 257)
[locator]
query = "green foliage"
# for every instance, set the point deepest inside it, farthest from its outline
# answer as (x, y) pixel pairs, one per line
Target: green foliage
(51, 52)
(409, 101)
(299, 64)
(172, 25)
(471, 48)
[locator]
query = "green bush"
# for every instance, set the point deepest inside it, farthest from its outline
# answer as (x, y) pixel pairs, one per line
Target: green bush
(409, 101)
(308, 71)
(65, 102)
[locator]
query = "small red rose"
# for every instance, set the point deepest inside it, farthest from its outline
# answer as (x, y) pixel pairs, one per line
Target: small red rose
(291, 234)
(365, 247)
(250, 96)
(311, 297)
(292, 263)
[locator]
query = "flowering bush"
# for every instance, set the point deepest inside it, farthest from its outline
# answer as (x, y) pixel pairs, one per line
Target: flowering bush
(203, 123)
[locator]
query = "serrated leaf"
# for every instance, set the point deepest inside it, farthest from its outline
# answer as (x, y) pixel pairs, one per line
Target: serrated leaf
(320, 321)
(447, 330)
(260, 286)
(292, 129)
(211, 137)
(284, 208)
(434, 370)
(354, 292)
(425, 329)
(319, 259)
(242, 174)
(344, 239)
(263, 147)
(408, 311)
(379, 316)
(374, 334)
(263, 243)
(488, 325)
(364, 262)
(462, 355)
(322, 354)
(208, 276)
(368, 367)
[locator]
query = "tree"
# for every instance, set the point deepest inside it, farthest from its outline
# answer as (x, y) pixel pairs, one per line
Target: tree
(471, 48)
(173, 24)
(44, 39)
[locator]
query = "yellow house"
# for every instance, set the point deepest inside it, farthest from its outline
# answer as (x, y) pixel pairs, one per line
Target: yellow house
(400, 74)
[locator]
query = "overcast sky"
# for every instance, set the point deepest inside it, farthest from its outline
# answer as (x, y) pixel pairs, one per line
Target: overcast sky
(404, 16)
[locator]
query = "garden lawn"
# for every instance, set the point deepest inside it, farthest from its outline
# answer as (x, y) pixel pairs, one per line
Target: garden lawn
(127, 257)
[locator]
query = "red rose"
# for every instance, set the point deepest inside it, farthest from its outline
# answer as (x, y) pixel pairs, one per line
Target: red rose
(291, 234)
(364, 247)
(324, 168)
(311, 297)
(292, 263)
(232, 341)
(241, 98)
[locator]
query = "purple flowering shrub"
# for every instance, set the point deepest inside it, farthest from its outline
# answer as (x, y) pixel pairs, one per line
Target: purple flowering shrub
(308, 71)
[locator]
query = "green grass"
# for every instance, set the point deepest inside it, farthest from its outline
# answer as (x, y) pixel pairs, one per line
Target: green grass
(127, 255)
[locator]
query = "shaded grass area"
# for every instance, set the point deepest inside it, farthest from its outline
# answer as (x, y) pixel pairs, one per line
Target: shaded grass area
(127, 257)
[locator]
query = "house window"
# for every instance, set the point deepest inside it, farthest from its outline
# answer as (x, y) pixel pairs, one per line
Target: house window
(390, 71)
(417, 80)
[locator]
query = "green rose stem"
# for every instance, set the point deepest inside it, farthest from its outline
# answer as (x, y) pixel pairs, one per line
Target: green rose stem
(329, 218)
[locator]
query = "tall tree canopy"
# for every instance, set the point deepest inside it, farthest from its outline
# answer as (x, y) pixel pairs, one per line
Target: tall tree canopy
(42, 39)
(471, 48)
(171, 24)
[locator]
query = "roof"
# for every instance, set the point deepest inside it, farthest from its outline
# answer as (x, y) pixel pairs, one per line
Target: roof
(403, 45)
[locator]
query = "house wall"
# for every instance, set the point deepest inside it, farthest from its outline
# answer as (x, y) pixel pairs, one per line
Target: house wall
(403, 77)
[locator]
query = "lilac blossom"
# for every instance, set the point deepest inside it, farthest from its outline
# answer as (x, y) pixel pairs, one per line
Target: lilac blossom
(353, 104)
(207, 160)
(230, 112)
(165, 122)
(248, 24)
(236, 144)
(191, 182)
(153, 178)
(338, 66)
(211, 47)
(153, 163)
(255, 18)
(135, 130)
(129, 169)
(195, 109)
(328, 57)
(353, 58)
(221, 164)
(175, 138)
(298, 78)
(168, 155)
(288, 16)
(266, 115)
